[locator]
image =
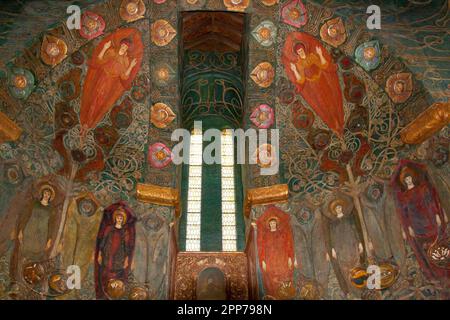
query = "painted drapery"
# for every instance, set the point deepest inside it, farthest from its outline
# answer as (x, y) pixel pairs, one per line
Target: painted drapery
(275, 251)
(112, 69)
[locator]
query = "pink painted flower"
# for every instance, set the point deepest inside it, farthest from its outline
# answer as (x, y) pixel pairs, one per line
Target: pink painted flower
(262, 116)
(294, 13)
(159, 155)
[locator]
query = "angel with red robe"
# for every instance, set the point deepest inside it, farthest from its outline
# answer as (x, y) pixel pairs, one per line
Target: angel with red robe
(310, 68)
(115, 247)
(422, 217)
(112, 68)
(276, 253)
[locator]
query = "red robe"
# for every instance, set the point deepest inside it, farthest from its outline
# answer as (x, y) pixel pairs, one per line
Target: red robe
(275, 248)
(417, 208)
(106, 81)
(319, 83)
(115, 245)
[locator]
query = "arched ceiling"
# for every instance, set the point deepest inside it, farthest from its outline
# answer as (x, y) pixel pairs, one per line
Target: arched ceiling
(213, 31)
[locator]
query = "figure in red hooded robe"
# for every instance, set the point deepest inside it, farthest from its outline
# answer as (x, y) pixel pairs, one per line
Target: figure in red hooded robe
(421, 214)
(113, 66)
(310, 68)
(115, 247)
(276, 252)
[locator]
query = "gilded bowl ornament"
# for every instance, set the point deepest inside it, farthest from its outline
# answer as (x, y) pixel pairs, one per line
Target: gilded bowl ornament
(161, 115)
(263, 74)
(132, 10)
(92, 25)
(20, 82)
(115, 288)
(368, 55)
(159, 155)
(53, 50)
(439, 253)
(333, 32)
(162, 32)
(138, 293)
(236, 5)
(399, 87)
(58, 283)
(265, 33)
(389, 274)
(263, 116)
(294, 13)
(33, 273)
(358, 277)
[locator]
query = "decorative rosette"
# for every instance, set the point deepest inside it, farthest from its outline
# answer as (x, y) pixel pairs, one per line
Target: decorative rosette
(92, 25)
(262, 116)
(265, 33)
(53, 50)
(263, 74)
(333, 32)
(162, 32)
(368, 55)
(399, 87)
(159, 155)
(236, 5)
(132, 10)
(294, 13)
(161, 115)
(20, 83)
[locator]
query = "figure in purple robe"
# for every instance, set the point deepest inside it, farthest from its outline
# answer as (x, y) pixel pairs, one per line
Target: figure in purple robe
(421, 215)
(115, 247)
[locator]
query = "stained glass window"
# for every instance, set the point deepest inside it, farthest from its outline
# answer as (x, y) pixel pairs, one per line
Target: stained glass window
(194, 202)
(229, 237)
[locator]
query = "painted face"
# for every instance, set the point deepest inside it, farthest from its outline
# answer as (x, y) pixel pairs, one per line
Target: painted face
(273, 225)
(123, 49)
(339, 211)
(46, 195)
(409, 181)
(399, 87)
(301, 53)
(119, 219)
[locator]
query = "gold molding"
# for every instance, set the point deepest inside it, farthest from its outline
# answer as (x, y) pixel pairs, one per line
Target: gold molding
(427, 123)
(265, 195)
(9, 131)
(163, 196)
